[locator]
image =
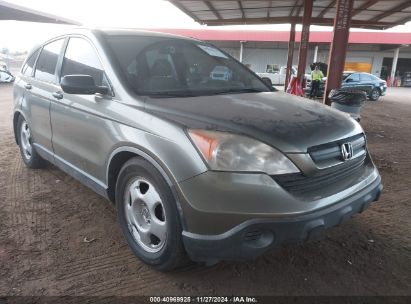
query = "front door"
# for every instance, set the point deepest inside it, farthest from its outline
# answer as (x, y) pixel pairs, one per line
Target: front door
(80, 136)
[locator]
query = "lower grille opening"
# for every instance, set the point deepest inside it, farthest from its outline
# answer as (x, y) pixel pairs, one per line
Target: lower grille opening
(258, 238)
(252, 235)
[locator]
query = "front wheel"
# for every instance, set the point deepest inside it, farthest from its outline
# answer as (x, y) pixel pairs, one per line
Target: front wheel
(25, 139)
(375, 94)
(148, 216)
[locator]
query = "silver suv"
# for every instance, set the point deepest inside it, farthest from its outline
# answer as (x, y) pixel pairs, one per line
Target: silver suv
(202, 159)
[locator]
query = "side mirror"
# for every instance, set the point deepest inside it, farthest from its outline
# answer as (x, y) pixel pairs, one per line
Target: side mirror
(349, 80)
(81, 84)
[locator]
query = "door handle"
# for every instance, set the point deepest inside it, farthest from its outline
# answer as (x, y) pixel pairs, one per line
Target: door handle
(28, 86)
(58, 95)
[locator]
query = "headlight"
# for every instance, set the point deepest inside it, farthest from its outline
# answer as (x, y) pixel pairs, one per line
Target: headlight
(230, 152)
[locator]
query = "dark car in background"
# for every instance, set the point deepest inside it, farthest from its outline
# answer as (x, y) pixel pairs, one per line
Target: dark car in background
(370, 84)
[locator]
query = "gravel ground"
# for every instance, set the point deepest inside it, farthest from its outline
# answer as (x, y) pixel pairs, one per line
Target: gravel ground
(45, 215)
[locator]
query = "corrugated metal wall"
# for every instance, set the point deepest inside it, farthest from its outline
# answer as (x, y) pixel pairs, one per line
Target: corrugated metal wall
(260, 58)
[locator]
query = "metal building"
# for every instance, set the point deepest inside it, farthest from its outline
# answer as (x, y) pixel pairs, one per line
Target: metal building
(342, 14)
(371, 52)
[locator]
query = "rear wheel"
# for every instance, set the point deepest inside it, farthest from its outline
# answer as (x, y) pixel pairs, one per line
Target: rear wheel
(148, 216)
(28, 153)
(375, 94)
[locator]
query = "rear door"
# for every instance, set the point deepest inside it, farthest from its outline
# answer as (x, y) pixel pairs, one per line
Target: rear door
(80, 138)
(39, 94)
(23, 85)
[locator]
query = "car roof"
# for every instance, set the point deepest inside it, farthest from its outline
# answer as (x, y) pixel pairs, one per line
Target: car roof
(354, 72)
(87, 31)
(126, 32)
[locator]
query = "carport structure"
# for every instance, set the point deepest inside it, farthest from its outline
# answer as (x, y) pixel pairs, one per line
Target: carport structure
(341, 14)
(10, 11)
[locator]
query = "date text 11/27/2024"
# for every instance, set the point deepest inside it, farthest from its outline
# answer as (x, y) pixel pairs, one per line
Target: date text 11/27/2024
(203, 299)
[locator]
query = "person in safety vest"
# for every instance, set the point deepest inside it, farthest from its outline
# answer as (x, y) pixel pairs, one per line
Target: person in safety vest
(316, 77)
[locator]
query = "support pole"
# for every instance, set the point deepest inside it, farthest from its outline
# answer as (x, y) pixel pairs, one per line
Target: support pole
(394, 64)
(305, 37)
(315, 54)
(241, 50)
(291, 43)
(339, 45)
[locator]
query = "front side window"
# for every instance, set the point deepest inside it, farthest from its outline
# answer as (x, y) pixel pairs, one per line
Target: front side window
(81, 58)
(354, 77)
(158, 66)
(47, 61)
(28, 67)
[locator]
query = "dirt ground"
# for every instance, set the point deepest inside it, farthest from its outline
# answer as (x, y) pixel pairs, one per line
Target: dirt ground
(45, 216)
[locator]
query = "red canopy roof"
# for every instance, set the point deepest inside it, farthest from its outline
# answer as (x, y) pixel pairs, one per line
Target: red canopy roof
(283, 36)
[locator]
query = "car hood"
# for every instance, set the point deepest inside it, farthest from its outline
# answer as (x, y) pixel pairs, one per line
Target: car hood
(286, 122)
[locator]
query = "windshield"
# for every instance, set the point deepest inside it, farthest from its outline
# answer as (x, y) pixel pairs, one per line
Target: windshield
(345, 75)
(158, 66)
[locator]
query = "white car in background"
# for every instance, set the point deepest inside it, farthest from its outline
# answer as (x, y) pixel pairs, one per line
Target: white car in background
(5, 76)
(277, 78)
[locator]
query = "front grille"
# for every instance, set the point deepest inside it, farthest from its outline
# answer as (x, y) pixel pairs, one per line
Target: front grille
(329, 154)
(298, 183)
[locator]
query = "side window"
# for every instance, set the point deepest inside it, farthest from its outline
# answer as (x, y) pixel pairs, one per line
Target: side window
(46, 64)
(355, 77)
(81, 58)
(366, 77)
(272, 68)
(28, 67)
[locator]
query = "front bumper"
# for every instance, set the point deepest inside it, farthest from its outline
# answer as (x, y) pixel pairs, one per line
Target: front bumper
(253, 237)
(384, 90)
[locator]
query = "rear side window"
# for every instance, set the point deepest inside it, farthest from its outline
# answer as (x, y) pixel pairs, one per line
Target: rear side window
(81, 58)
(46, 64)
(28, 67)
(366, 77)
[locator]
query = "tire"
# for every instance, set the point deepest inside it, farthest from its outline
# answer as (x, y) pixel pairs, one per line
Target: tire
(375, 94)
(28, 153)
(148, 216)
